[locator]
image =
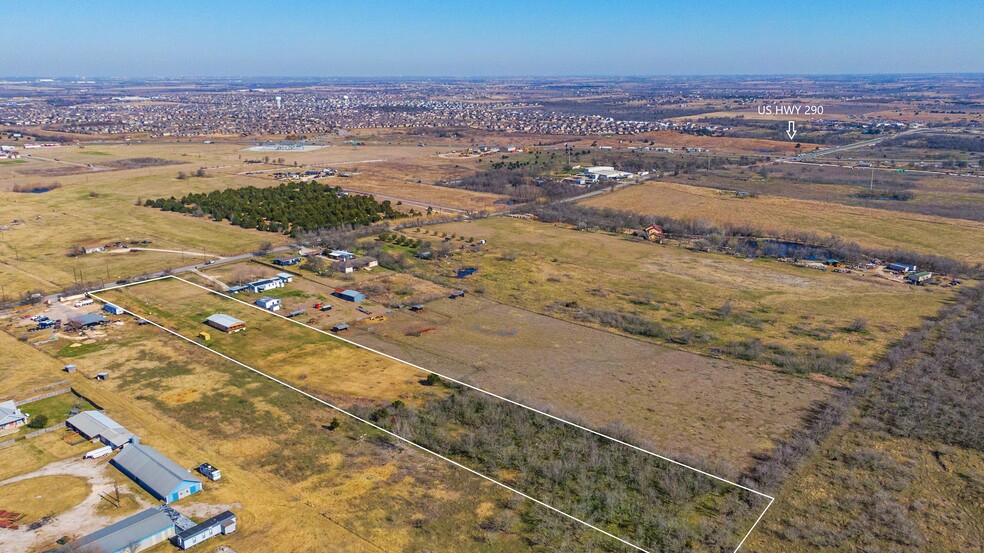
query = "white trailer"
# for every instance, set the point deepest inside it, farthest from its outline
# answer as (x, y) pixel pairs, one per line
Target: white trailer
(98, 452)
(83, 303)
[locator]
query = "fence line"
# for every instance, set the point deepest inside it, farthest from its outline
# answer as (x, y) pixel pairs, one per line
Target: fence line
(45, 395)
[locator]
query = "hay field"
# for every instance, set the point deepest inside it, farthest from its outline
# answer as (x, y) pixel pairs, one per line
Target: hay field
(544, 268)
(956, 238)
(585, 374)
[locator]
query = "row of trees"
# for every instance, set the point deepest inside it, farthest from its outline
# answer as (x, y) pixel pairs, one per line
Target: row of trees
(745, 239)
(291, 208)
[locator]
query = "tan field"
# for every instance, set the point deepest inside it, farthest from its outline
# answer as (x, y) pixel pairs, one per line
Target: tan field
(957, 238)
(95, 206)
(543, 267)
(604, 380)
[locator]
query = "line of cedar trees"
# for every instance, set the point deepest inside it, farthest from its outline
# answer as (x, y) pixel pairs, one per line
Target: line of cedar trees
(290, 208)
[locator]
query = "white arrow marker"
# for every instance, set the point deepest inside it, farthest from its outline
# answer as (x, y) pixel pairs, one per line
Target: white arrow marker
(791, 131)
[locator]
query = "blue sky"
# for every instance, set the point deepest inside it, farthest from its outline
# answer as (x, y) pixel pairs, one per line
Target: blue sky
(492, 38)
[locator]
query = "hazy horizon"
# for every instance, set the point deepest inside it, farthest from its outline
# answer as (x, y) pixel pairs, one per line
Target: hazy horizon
(506, 39)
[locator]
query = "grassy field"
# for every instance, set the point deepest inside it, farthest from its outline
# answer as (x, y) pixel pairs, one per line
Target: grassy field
(357, 379)
(56, 409)
(705, 302)
(15, 381)
(959, 239)
(94, 207)
(43, 496)
(604, 380)
(345, 487)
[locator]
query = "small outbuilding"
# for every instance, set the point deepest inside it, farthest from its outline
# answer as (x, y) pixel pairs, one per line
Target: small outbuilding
(266, 302)
(349, 295)
(225, 323)
(209, 471)
(224, 523)
(113, 309)
(340, 327)
(457, 294)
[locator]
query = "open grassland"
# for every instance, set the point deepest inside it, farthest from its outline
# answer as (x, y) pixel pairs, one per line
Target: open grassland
(677, 505)
(96, 206)
(685, 405)
(903, 472)
(29, 455)
(293, 482)
(23, 371)
(706, 302)
(43, 496)
(874, 228)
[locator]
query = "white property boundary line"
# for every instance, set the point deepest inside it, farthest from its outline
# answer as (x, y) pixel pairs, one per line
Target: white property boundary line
(460, 383)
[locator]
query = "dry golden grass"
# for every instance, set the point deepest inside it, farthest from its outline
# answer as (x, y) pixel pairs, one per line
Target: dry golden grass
(362, 498)
(956, 238)
(23, 370)
(29, 455)
(681, 289)
(43, 496)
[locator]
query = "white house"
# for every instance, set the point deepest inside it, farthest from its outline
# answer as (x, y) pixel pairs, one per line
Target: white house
(11, 418)
(266, 302)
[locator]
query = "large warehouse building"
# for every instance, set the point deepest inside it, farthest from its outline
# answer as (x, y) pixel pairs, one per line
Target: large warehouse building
(162, 477)
(141, 531)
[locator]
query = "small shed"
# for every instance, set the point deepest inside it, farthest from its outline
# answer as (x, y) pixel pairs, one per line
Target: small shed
(457, 294)
(70, 368)
(205, 336)
(286, 277)
(418, 307)
(113, 309)
(209, 471)
(102, 376)
(266, 302)
(340, 327)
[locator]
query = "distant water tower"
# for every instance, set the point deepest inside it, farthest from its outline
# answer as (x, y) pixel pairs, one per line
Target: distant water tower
(278, 101)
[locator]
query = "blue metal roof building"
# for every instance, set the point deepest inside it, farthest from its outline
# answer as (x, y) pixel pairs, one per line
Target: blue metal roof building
(141, 531)
(162, 477)
(350, 295)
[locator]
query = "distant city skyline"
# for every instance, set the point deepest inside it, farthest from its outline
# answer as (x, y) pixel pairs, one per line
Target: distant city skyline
(430, 38)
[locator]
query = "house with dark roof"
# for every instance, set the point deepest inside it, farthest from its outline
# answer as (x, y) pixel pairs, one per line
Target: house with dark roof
(223, 523)
(162, 477)
(95, 425)
(141, 531)
(80, 322)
